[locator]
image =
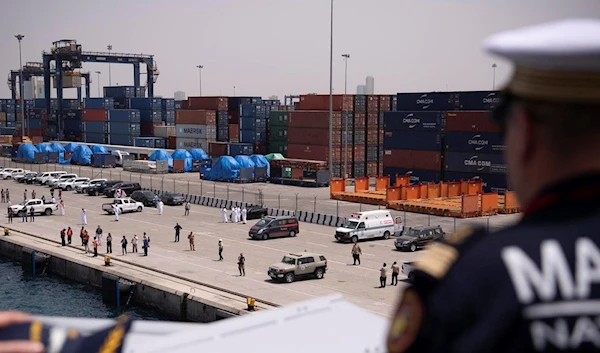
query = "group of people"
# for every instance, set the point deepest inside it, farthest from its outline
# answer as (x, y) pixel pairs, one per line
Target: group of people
(4, 195)
(237, 215)
(66, 235)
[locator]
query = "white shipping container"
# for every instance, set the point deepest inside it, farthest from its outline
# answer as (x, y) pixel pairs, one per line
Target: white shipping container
(188, 143)
(211, 132)
(165, 131)
(191, 131)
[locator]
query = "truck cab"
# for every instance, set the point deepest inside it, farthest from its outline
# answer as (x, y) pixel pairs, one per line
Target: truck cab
(369, 225)
(124, 205)
(119, 156)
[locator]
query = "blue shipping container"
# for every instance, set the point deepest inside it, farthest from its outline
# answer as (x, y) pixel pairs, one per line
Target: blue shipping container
(235, 149)
(412, 140)
(433, 121)
(167, 104)
(120, 92)
(222, 118)
(98, 127)
(73, 125)
(483, 142)
(168, 115)
(11, 116)
(250, 136)
(491, 182)
(416, 175)
(160, 142)
(435, 101)
(255, 110)
(98, 103)
(154, 116)
(223, 133)
(145, 103)
(123, 128)
(71, 104)
(92, 137)
(479, 100)
(144, 142)
(10, 124)
(121, 139)
(258, 124)
(7, 130)
(474, 163)
(124, 116)
(72, 114)
(233, 103)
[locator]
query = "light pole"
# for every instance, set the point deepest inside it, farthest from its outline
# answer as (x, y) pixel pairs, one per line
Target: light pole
(200, 67)
(346, 57)
(234, 91)
(98, 73)
(109, 47)
(331, 92)
(494, 66)
(21, 88)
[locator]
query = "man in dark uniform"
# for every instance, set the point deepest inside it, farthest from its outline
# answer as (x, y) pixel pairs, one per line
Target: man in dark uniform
(534, 286)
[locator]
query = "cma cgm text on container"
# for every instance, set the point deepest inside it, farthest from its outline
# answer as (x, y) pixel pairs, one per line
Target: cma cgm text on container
(482, 142)
(413, 120)
(444, 101)
(474, 163)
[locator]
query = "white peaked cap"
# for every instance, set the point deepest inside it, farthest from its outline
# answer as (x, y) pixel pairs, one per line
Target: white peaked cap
(557, 61)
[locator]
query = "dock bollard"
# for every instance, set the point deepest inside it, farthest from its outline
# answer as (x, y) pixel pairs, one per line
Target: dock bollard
(251, 303)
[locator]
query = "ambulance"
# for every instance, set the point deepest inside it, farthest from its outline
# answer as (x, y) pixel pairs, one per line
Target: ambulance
(369, 225)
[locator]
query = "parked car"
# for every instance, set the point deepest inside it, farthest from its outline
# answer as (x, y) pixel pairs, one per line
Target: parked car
(125, 205)
(30, 178)
(39, 207)
(18, 175)
(43, 179)
(82, 188)
(369, 225)
(7, 173)
(407, 269)
(144, 196)
(256, 212)
(23, 178)
(70, 184)
(97, 189)
(418, 237)
(129, 188)
(275, 227)
(293, 266)
(172, 199)
(59, 179)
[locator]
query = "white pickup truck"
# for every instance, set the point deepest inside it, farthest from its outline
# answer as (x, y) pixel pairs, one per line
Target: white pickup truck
(124, 205)
(39, 207)
(407, 269)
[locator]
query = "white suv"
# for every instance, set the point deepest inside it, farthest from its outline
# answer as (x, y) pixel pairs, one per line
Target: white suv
(59, 179)
(43, 179)
(8, 172)
(71, 183)
(82, 187)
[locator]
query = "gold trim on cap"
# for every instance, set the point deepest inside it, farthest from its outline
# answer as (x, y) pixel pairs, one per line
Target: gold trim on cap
(556, 85)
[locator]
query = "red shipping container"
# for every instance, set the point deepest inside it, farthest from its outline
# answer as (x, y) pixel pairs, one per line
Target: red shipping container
(311, 152)
(372, 137)
(359, 153)
(372, 121)
(385, 103)
(147, 127)
(234, 132)
(472, 121)
(412, 159)
(95, 115)
(341, 102)
(360, 121)
(233, 117)
(372, 104)
(171, 142)
(196, 117)
(372, 169)
(208, 103)
(379, 168)
(347, 153)
(310, 136)
(217, 149)
(314, 119)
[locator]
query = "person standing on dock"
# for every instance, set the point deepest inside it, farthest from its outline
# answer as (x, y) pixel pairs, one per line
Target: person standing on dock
(86, 242)
(31, 214)
(155, 200)
(7, 195)
(356, 252)
(395, 272)
(52, 191)
(244, 215)
(187, 208)
(161, 207)
(25, 195)
(95, 245)
(109, 244)
(33, 194)
(60, 194)
(124, 246)
(69, 235)
(2, 195)
(242, 264)
(99, 235)
(134, 243)
(177, 230)
(24, 214)
(382, 276)
(61, 207)
(10, 215)
(82, 234)
(116, 211)
(145, 245)
(63, 234)
(224, 215)
(83, 217)
(220, 249)
(191, 239)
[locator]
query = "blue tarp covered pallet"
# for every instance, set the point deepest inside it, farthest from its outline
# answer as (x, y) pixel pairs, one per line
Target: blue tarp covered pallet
(162, 155)
(26, 152)
(198, 154)
(96, 149)
(82, 155)
(71, 146)
(260, 161)
(184, 155)
(246, 162)
(226, 168)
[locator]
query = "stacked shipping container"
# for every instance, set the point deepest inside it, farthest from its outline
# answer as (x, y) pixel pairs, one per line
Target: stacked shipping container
(195, 128)
(277, 132)
(253, 126)
(168, 111)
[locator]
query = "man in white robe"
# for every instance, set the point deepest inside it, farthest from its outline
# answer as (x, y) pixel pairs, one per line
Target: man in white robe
(83, 217)
(244, 215)
(224, 215)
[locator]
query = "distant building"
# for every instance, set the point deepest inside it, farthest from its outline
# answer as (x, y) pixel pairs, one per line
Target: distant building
(370, 86)
(361, 89)
(179, 96)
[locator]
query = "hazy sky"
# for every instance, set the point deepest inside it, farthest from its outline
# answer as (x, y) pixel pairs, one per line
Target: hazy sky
(266, 47)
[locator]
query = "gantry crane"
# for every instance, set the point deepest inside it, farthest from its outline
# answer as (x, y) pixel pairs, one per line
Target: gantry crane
(68, 57)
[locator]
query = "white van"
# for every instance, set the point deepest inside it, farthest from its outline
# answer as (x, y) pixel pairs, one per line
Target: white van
(43, 179)
(119, 156)
(369, 225)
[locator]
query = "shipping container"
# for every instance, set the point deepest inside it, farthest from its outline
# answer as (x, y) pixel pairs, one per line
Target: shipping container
(359, 169)
(359, 120)
(121, 139)
(372, 137)
(120, 92)
(154, 116)
(278, 133)
(224, 119)
(434, 101)
(207, 103)
(211, 133)
(71, 114)
(359, 153)
(147, 128)
(217, 149)
(254, 137)
(92, 137)
(416, 175)
(313, 119)
(336, 170)
(98, 103)
(179, 105)
(223, 133)
(234, 133)
(372, 122)
(124, 128)
(373, 153)
(168, 115)
(310, 152)
(491, 182)
(412, 159)
(148, 142)
(233, 103)
(235, 149)
(413, 121)
(191, 143)
(385, 103)
(360, 103)
(103, 160)
(11, 116)
(278, 147)
(471, 121)
(199, 117)
(474, 142)
(191, 131)
(372, 104)
(2, 116)
(474, 163)
(308, 136)
(359, 137)
(278, 118)
(167, 104)
(66, 104)
(341, 102)
(347, 121)
(372, 169)
(412, 140)
(253, 110)
(100, 115)
(256, 124)
(171, 142)
(479, 100)
(73, 125)
(97, 127)
(124, 116)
